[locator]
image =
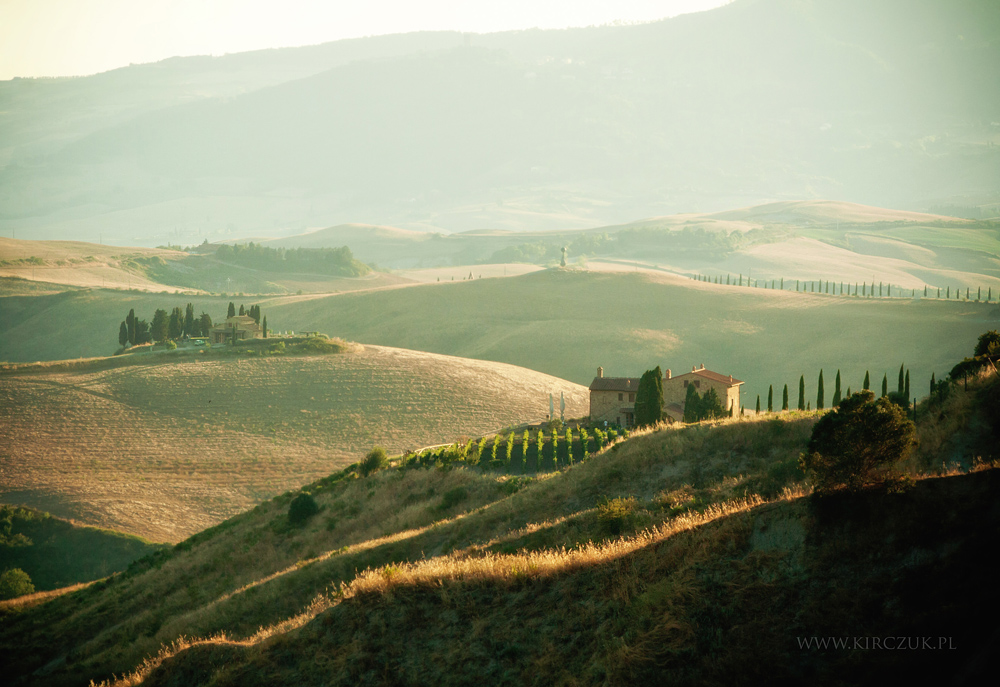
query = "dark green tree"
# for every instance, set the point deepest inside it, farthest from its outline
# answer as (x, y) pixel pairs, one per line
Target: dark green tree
(902, 376)
(836, 390)
(302, 508)
(784, 398)
(231, 312)
(206, 323)
(175, 326)
(710, 406)
(692, 404)
(933, 384)
(758, 404)
(374, 460)
(123, 334)
(770, 398)
(802, 392)
(867, 385)
(142, 333)
(130, 323)
(243, 310)
(988, 344)
(857, 444)
(189, 320)
(906, 386)
(160, 326)
(885, 385)
(819, 392)
(264, 328)
(15, 582)
(649, 398)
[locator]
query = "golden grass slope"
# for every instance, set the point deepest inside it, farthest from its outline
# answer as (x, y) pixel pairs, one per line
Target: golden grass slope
(166, 449)
(656, 561)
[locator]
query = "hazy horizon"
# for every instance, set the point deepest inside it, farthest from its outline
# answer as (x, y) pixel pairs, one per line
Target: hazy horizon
(61, 38)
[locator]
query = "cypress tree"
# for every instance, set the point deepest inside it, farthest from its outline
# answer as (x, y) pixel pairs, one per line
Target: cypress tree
(949, 292)
(989, 295)
(175, 326)
(123, 334)
(925, 290)
(848, 392)
(836, 390)
(189, 320)
(758, 404)
(867, 385)
(232, 310)
(782, 283)
(966, 293)
(885, 385)
(242, 310)
(569, 446)
(692, 405)
(802, 392)
(796, 286)
(649, 398)
(939, 292)
(906, 385)
(265, 326)
(784, 398)
(130, 323)
(933, 384)
(899, 385)
(770, 398)
(819, 392)
(979, 294)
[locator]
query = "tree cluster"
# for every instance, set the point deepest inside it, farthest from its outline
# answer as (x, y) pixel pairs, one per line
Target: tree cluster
(330, 261)
(165, 326)
(703, 407)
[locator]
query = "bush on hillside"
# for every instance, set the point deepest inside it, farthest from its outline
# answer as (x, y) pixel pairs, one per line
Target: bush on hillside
(857, 444)
(617, 515)
(302, 508)
(375, 460)
(14, 583)
(988, 344)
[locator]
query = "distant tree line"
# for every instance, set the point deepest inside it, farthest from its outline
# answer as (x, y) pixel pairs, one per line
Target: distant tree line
(329, 261)
(860, 289)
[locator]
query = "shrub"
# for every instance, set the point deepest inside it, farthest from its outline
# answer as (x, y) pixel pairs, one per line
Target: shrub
(302, 508)
(15, 582)
(857, 444)
(171, 346)
(616, 515)
(453, 497)
(375, 460)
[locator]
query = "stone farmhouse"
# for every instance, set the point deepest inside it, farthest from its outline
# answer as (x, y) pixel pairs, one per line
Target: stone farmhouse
(246, 328)
(612, 399)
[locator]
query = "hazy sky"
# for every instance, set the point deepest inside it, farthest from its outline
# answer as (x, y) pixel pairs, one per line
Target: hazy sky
(63, 37)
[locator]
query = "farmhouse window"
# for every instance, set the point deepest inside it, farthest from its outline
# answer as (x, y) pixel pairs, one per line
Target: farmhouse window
(621, 397)
(631, 397)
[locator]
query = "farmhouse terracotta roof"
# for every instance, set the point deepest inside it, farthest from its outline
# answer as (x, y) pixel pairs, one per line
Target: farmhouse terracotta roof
(614, 384)
(728, 380)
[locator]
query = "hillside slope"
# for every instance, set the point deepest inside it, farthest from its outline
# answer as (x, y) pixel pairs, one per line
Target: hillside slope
(568, 322)
(683, 555)
(169, 448)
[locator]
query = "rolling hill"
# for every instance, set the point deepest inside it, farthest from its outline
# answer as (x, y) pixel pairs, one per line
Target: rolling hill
(681, 556)
(167, 448)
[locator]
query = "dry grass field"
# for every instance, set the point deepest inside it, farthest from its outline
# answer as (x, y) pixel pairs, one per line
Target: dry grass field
(166, 449)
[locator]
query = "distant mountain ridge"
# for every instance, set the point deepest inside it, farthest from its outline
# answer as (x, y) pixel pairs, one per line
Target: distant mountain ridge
(887, 103)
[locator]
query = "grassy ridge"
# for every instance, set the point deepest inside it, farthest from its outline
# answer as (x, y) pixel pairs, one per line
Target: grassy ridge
(529, 580)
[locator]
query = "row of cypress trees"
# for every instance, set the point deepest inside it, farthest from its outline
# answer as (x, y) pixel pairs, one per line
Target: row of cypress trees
(862, 289)
(901, 396)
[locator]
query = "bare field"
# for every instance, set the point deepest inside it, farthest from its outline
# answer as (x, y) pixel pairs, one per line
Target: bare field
(166, 450)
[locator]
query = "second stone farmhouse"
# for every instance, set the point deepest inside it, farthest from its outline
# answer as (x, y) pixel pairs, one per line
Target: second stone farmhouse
(612, 399)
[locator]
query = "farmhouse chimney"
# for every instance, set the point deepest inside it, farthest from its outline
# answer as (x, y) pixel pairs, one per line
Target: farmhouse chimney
(669, 374)
(694, 368)
(600, 372)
